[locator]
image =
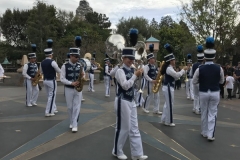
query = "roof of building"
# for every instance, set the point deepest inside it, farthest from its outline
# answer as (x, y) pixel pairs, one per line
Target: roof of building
(152, 39)
(6, 61)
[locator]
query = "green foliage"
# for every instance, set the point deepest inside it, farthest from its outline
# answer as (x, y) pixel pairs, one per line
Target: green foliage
(212, 18)
(167, 31)
(13, 26)
(178, 36)
(24, 27)
(140, 23)
(97, 18)
(42, 24)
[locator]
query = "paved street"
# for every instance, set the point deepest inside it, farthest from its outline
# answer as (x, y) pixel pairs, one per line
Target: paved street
(26, 134)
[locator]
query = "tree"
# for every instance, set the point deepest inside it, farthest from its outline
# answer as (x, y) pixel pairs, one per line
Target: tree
(178, 36)
(64, 18)
(100, 19)
(154, 27)
(13, 26)
(141, 23)
(166, 21)
(214, 18)
(42, 24)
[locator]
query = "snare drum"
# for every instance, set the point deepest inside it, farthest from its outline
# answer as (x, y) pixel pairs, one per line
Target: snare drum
(86, 64)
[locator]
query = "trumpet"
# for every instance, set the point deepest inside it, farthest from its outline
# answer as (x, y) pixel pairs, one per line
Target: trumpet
(184, 64)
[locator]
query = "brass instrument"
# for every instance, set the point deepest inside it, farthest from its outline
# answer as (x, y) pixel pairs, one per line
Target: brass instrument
(98, 65)
(37, 78)
(184, 64)
(140, 48)
(114, 45)
(88, 56)
(159, 78)
(81, 80)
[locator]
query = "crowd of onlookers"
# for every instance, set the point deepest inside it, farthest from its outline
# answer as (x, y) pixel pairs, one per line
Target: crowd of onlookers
(231, 83)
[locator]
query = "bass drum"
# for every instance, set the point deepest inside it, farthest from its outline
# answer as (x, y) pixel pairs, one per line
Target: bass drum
(85, 63)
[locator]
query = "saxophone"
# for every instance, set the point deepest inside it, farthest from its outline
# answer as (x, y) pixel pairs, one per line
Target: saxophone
(37, 78)
(81, 80)
(159, 79)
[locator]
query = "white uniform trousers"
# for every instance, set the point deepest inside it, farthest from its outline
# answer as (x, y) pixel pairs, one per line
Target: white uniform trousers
(209, 106)
(73, 99)
(126, 126)
(189, 89)
(91, 79)
(51, 89)
(167, 115)
(31, 92)
(107, 85)
(152, 97)
(116, 86)
(196, 105)
(139, 96)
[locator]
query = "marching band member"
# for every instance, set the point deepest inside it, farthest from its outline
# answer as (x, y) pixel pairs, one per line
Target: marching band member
(1, 71)
(68, 57)
(168, 85)
(189, 86)
(66, 61)
(200, 58)
(69, 76)
(139, 97)
(49, 68)
(112, 74)
(208, 76)
(125, 107)
(29, 71)
(150, 73)
(107, 77)
(110, 68)
(91, 75)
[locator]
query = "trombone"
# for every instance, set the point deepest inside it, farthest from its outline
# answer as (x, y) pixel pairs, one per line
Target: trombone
(184, 64)
(140, 48)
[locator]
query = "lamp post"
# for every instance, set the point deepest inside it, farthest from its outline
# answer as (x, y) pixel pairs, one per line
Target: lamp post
(94, 54)
(85, 37)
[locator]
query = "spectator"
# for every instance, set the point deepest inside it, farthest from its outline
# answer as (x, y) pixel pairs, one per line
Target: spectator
(177, 82)
(229, 85)
(236, 76)
(221, 86)
(228, 70)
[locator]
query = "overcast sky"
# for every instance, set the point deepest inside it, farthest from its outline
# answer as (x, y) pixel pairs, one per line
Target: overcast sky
(114, 9)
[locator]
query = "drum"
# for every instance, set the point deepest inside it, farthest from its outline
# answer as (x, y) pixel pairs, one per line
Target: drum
(85, 63)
